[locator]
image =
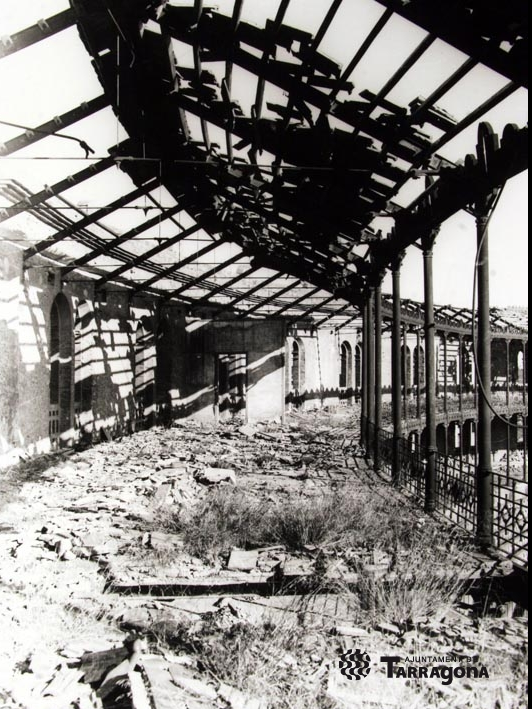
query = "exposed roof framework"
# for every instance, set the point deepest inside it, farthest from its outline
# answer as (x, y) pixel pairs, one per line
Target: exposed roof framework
(295, 179)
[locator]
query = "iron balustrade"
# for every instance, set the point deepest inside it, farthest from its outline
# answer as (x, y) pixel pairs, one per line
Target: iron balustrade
(456, 498)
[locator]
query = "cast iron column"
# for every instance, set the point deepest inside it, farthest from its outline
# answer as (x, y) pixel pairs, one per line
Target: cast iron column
(396, 373)
(371, 376)
(418, 374)
(444, 333)
(364, 408)
(483, 434)
(430, 380)
(460, 373)
(378, 378)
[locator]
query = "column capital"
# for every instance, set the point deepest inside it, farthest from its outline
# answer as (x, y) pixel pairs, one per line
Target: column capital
(396, 261)
(428, 239)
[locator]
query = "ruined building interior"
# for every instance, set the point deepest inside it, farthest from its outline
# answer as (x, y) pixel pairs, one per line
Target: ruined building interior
(209, 215)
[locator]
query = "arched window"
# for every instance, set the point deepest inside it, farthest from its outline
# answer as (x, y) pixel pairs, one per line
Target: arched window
(358, 367)
(61, 372)
(346, 365)
(406, 367)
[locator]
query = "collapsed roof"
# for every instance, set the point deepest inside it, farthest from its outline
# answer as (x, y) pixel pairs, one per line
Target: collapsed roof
(296, 178)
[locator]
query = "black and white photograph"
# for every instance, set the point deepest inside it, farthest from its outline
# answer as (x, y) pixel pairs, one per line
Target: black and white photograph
(263, 354)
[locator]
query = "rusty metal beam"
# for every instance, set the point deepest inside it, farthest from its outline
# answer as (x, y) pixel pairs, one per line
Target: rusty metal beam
(87, 108)
(271, 298)
(201, 277)
(297, 301)
(89, 219)
(120, 239)
(9, 44)
(139, 259)
(178, 265)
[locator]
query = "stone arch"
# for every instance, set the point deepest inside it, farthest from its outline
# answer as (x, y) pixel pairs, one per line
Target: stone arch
(61, 353)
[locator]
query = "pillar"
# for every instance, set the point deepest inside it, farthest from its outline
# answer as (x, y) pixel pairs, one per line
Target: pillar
(378, 377)
(405, 373)
(483, 434)
(364, 408)
(460, 374)
(430, 379)
(371, 376)
(396, 372)
(418, 374)
(507, 373)
(444, 336)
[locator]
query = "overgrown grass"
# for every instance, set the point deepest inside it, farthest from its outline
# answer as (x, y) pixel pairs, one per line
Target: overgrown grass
(425, 581)
(229, 517)
(269, 664)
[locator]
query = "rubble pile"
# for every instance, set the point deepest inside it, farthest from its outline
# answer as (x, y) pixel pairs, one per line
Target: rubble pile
(99, 587)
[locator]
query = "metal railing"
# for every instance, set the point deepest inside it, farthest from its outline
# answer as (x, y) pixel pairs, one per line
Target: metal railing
(456, 498)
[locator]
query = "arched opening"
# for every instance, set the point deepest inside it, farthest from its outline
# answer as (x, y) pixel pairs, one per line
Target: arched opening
(467, 369)
(441, 439)
(144, 373)
(358, 367)
(61, 373)
(406, 368)
(84, 328)
(419, 366)
(346, 365)
(295, 372)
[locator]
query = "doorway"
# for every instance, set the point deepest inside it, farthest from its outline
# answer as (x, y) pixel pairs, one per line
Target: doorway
(230, 387)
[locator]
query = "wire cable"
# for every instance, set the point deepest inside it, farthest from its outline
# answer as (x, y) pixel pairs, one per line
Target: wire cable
(83, 144)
